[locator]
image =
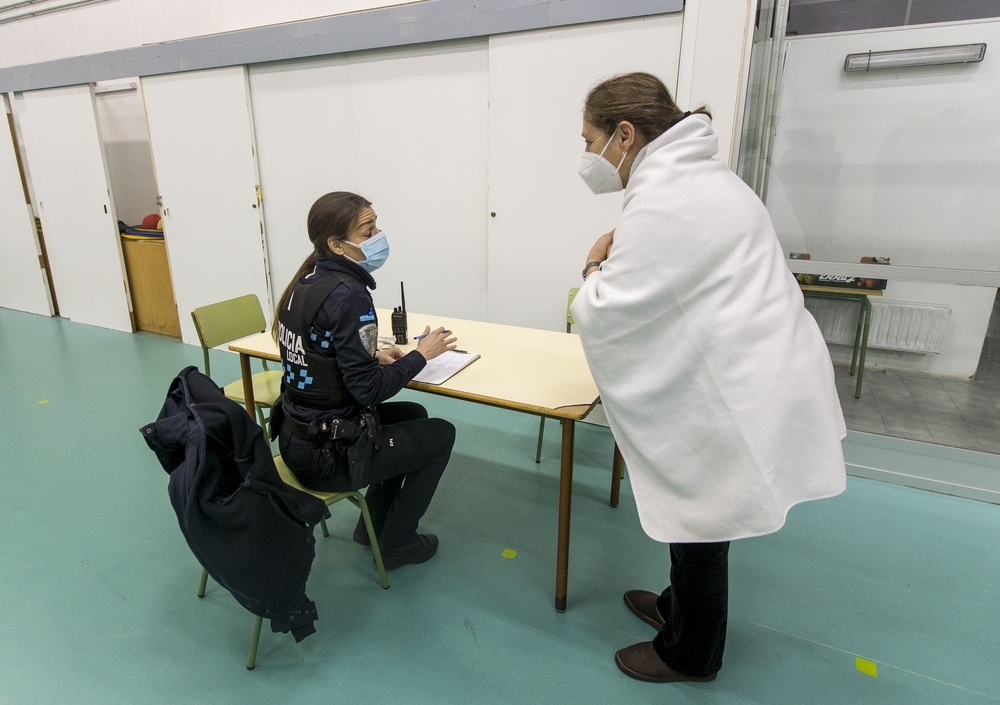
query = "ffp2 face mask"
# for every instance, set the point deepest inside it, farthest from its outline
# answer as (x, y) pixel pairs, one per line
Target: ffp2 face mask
(599, 174)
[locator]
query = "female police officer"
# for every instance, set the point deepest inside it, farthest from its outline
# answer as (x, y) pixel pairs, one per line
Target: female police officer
(328, 334)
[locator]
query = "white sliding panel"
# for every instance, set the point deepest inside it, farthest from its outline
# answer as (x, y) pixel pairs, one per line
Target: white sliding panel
(201, 134)
(407, 129)
(63, 149)
(22, 281)
(546, 217)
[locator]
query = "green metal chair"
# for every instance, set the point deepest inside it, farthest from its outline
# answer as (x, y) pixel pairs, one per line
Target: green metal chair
(569, 329)
(355, 498)
(618, 463)
(230, 320)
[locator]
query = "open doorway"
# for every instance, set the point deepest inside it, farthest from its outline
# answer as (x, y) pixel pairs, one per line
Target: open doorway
(88, 174)
(125, 135)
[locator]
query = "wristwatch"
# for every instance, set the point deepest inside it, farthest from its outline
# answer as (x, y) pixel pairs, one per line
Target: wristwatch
(588, 267)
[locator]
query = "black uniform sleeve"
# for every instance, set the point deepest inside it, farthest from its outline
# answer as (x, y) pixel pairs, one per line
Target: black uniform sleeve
(347, 319)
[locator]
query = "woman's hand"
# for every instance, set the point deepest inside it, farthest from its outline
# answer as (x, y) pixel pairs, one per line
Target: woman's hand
(601, 249)
(434, 342)
(387, 357)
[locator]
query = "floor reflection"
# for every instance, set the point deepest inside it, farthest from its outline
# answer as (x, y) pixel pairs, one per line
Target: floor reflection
(939, 410)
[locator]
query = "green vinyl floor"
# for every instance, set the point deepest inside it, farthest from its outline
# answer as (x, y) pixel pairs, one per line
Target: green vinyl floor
(98, 586)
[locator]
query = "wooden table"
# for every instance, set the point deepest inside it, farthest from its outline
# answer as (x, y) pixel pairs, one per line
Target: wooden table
(522, 369)
(864, 321)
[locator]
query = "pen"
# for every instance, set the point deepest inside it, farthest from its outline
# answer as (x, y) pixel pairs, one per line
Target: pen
(418, 337)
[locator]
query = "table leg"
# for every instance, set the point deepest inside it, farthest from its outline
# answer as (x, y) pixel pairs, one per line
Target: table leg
(617, 466)
(866, 314)
(565, 501)
(857, 336)
(247, 384)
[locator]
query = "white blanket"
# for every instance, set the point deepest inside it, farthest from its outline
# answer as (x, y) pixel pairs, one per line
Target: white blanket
(716, 380)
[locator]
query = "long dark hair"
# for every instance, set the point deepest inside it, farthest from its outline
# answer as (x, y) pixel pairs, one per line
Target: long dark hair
(639, 98)
(331, 216)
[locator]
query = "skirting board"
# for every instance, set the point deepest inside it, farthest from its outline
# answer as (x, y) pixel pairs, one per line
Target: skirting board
(925, 466)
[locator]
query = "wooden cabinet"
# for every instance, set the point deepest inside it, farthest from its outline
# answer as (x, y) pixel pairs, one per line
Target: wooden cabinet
(153, 303)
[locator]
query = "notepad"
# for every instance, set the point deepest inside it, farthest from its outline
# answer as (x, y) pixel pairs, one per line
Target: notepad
(444, 367)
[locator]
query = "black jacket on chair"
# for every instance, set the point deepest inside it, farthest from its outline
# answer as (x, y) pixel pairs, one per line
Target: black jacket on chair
(251, 531)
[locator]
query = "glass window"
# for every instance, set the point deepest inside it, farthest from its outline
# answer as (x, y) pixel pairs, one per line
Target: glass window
(820, 16)
(901, 164)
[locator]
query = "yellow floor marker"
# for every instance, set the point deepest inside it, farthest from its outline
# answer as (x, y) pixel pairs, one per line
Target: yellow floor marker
(44, 401)
(509, 554)
(869, 668)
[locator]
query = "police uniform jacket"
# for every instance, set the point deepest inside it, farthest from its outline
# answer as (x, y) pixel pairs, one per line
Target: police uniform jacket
(344, 332)
(251, 531)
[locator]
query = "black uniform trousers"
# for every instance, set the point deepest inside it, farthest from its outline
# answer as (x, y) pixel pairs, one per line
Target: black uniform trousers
(404, 474)
(695, 607)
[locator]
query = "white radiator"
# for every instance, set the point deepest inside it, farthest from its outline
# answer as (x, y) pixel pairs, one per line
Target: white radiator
(896, 325)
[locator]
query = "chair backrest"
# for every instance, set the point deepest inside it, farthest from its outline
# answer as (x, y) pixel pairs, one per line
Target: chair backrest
(569, 302)
(229, 320)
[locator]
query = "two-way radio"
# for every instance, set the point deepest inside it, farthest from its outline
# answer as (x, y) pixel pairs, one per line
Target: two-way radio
(399, 319)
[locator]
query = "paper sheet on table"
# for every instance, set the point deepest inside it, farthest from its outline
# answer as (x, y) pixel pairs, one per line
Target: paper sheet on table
(444, 367)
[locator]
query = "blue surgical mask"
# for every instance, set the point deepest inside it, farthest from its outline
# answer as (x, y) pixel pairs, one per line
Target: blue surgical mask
(376, 252)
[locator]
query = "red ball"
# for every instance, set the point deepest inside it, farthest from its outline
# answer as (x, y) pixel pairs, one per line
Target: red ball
(151, 221)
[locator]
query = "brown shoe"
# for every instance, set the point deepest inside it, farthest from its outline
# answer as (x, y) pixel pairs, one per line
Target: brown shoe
(643, 605)
(640, 661)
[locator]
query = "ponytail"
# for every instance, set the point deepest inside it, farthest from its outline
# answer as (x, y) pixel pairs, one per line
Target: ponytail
(333, 215)
(307, 265)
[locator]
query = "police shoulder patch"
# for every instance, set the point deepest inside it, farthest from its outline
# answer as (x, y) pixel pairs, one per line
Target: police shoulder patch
(369, 338)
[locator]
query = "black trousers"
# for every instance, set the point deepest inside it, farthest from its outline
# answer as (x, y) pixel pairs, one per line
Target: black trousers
(696, 608)
(404, 474)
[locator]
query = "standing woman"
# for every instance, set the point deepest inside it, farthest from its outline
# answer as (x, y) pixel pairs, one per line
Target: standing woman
(327, 330)
(716, 380)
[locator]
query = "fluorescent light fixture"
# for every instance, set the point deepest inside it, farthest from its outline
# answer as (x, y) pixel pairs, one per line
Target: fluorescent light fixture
(928, 56)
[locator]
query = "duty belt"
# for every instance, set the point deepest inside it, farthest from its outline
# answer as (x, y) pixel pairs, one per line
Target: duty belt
(329, 430)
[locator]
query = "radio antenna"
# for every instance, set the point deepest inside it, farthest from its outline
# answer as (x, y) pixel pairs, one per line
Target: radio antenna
(402, 295)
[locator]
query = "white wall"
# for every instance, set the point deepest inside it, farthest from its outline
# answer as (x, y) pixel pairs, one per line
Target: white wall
(902, 164)
(62, 141)
(714, 60)
(16, 102)
(120, 24)
(201, 133)
(406, 128)
(22, 280)
(413, 130)
(546, 217)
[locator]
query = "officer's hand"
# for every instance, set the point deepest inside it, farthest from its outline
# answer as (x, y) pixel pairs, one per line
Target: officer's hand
(435, 342)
